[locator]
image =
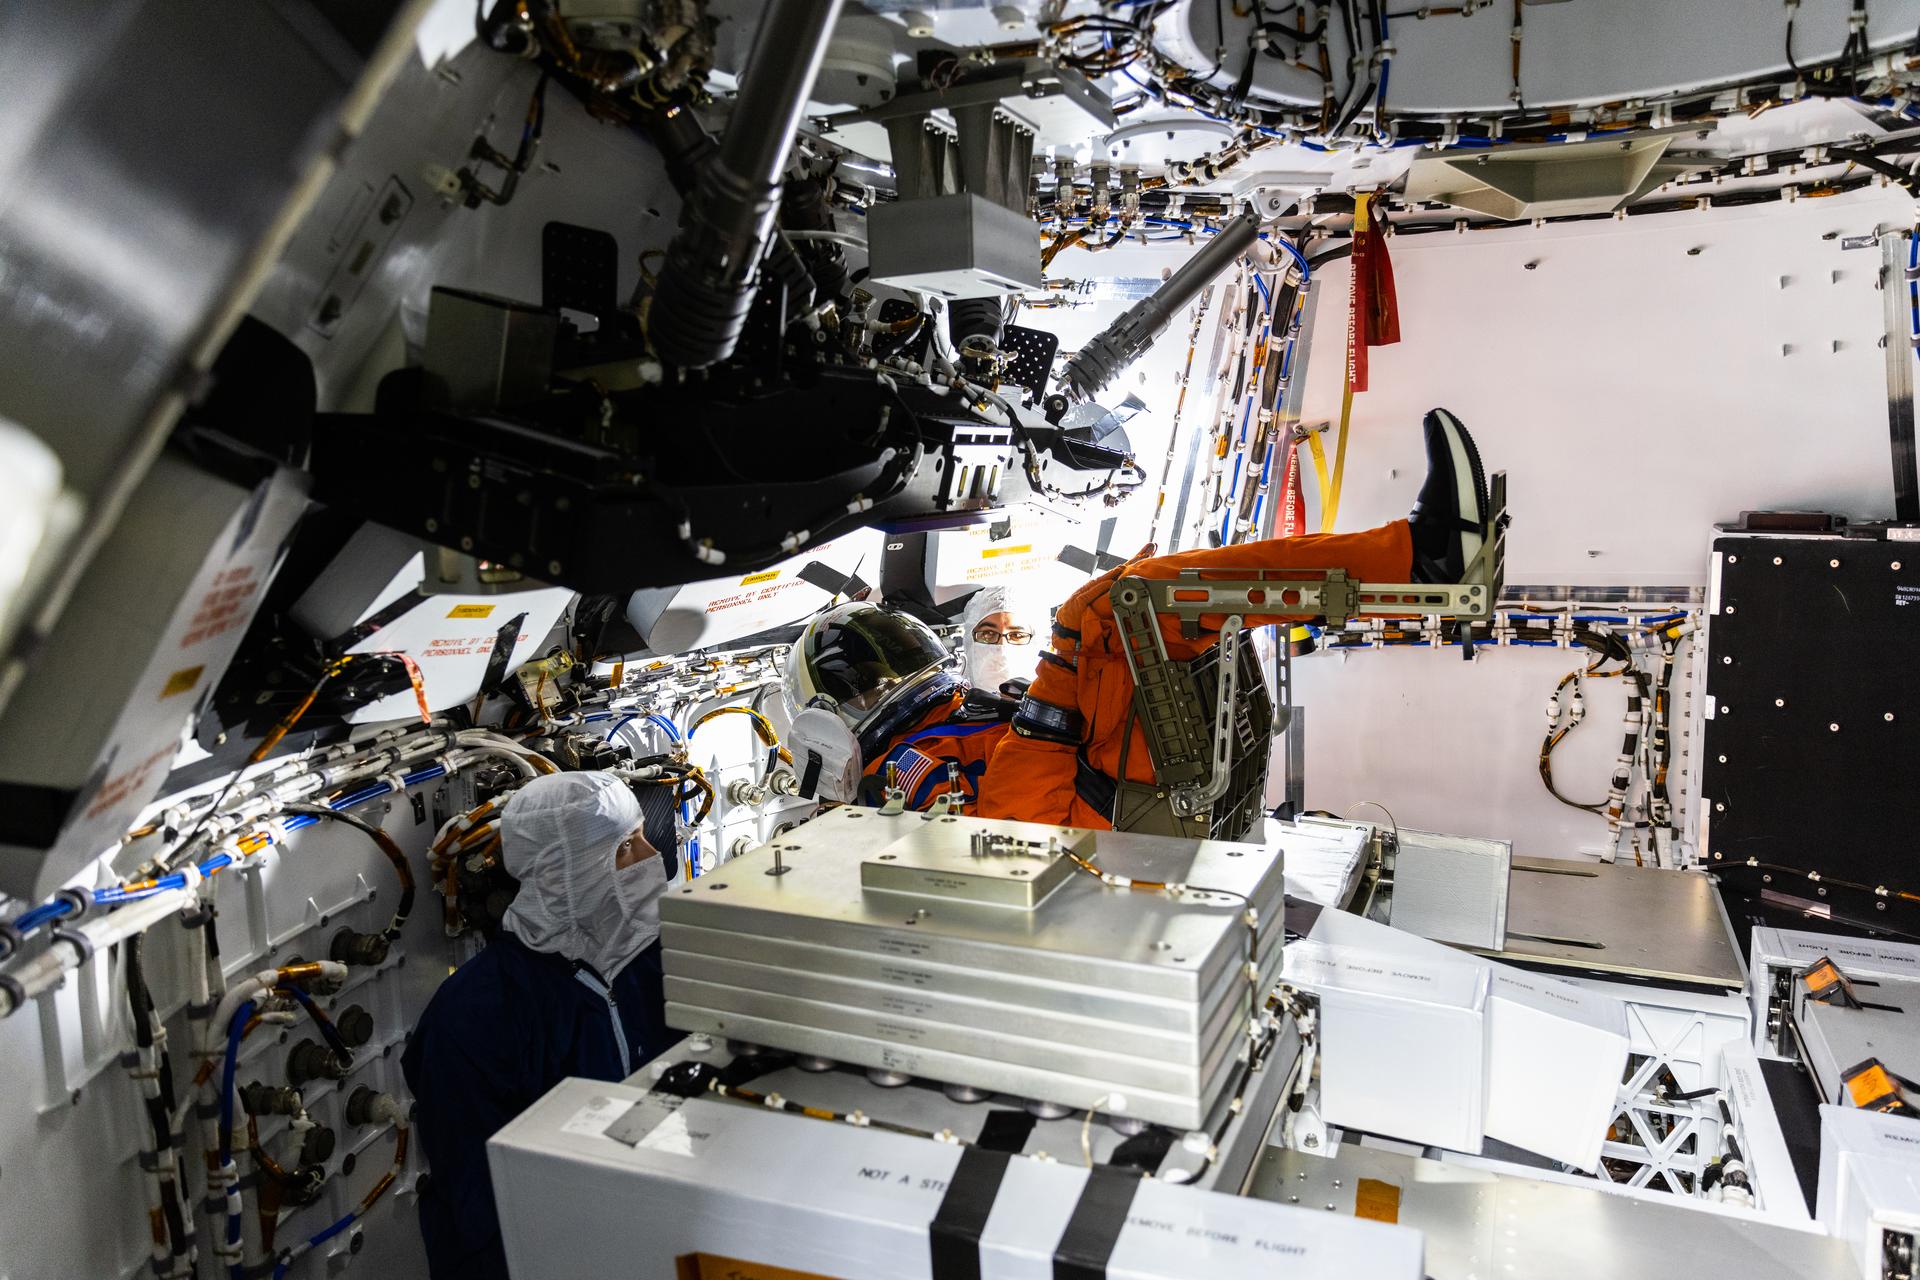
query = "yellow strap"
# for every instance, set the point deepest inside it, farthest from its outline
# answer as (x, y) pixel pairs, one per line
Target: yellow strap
(1319, 466)
(1330, 497)
(1330, 490)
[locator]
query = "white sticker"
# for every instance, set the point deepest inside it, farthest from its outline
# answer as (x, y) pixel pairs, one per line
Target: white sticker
(658, 1122)
(593, 1119)
(670, 1136)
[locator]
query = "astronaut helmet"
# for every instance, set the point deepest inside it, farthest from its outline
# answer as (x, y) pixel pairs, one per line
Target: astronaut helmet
(860, 658)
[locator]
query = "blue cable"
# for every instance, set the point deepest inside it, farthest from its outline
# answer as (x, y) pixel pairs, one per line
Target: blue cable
(47, 912)
(620, 725)
(315, 1241)
(235, 1030)
(362, 796)
(1180, 224)
(1246, 417)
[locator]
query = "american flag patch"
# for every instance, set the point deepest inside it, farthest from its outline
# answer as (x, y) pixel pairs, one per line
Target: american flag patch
(912, 768)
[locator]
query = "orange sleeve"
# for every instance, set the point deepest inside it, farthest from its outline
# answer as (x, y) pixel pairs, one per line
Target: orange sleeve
(1032, 781)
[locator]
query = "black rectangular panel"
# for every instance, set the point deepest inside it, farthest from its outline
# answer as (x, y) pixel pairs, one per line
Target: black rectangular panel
(1810, 759)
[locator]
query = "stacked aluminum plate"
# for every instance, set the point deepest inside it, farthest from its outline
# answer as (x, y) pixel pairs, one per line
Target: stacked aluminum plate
(979, 953)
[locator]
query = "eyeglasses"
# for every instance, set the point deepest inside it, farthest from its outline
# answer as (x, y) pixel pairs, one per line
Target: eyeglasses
(987, 633)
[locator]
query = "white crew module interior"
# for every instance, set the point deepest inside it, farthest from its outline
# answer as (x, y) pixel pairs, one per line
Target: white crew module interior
(413, 411)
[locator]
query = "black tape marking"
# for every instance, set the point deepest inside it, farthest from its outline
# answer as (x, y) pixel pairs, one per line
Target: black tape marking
(953, 1237)
(1087, 1244)
(1006, 1131)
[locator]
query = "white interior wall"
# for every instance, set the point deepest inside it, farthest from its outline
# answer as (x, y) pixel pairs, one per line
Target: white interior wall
(71, 1101)
(1635, 393)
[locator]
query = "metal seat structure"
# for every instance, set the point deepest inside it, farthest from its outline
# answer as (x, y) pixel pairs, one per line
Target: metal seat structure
(1208, 722)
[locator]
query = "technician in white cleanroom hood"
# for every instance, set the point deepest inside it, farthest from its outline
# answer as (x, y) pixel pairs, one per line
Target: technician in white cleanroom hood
(571, 986)
(1000, 630)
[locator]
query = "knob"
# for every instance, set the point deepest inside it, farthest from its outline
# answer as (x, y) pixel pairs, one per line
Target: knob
(355, 1026)
(311, 1060)
(352, 947)
(317, 1146)
(261, 1099)
(368, 1106)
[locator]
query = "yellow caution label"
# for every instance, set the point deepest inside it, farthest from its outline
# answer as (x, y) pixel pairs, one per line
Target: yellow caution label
(470, 611)
(181, 681)
(708, 1266)
(1021, 550)
(1377, 1200)
(755, 579)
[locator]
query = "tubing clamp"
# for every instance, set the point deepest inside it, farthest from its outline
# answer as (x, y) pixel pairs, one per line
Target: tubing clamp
(82, 945)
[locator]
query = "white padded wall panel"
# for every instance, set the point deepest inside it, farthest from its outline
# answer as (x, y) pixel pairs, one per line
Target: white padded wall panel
(1635, 393)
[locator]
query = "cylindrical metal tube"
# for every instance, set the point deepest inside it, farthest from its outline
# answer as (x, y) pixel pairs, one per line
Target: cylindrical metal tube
(1123, 341)
(707, 284)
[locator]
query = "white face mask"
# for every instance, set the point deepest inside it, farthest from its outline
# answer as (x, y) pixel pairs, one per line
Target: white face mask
(989, 666)
(560, 837)
(625, 922)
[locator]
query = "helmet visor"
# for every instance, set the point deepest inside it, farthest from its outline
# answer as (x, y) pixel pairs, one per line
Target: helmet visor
(859, 656)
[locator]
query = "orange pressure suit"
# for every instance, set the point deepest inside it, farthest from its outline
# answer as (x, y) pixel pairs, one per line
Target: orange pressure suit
(1032, 779)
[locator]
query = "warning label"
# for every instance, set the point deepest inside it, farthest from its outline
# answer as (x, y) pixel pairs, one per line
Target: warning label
(122, 785)
(457, 646)
(471, 611)
(739, 599)
(224, 607)
(753, 579)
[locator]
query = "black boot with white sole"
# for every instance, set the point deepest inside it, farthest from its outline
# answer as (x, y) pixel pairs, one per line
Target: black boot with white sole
(1450, 516)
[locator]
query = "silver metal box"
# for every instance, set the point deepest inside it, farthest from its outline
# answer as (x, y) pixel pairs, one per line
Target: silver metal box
(957, 246)
(1451, 888)
(888, 942)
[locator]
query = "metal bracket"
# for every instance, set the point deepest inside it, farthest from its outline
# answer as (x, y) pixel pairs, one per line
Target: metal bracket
(1188, 801)
(1163, 695)
(1334, 597)
(1193, 766)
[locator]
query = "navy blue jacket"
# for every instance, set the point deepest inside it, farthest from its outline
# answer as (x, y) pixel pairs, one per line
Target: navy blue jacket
(502, 1030)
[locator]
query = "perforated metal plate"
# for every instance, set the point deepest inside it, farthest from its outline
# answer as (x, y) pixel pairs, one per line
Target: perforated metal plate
(1031, 353)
